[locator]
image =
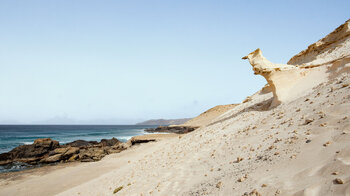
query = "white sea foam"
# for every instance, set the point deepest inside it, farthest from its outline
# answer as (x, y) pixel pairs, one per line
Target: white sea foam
(124, 138)
(145, 133)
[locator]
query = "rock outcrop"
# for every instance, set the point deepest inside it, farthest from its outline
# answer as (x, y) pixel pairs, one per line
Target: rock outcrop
(30, 154)
(334, 47)
(171, 129)
(307, 69)
(50, 151)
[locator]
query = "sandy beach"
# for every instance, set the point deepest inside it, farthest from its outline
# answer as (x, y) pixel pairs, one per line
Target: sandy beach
(292, 138)
(44, 180)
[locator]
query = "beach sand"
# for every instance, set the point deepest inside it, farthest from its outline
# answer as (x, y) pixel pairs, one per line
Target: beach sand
(50, 180)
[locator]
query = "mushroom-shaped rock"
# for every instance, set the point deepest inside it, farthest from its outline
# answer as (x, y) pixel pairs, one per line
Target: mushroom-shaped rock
(286, 81)
(320, 62)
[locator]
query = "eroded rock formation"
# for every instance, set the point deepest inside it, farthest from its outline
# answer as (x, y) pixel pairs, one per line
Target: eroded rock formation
(307, 69)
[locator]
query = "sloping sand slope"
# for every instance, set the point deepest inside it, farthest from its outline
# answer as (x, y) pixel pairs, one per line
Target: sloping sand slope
(301, 146)
(209, 115)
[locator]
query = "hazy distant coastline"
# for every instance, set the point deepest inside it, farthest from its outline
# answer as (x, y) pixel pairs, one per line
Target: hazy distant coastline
(164, 122)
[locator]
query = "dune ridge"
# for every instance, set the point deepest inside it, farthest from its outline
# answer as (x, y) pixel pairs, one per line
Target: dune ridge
(206, 117)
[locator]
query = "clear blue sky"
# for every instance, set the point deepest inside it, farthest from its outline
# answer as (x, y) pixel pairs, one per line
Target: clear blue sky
(125, 61)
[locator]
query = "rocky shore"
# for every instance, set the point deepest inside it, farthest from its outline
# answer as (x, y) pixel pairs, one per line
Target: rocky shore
(48, 151)
(45, 151)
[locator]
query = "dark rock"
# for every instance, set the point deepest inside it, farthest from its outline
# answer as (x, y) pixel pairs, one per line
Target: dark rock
(51, 159)
(65, 152)
(46, 143)
(171, 129)
(94, 153)
(140, 140)
(109, 142)
(86, 159)
(71, 151)
(48, 151)
(5, 156)
(30, 153)
(81, 143)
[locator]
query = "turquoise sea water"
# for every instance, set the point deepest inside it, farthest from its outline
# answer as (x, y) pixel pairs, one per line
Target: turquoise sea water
(12, 136)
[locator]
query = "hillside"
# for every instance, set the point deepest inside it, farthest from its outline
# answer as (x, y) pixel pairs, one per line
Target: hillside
(206, 117)
(293, 141)
(164, 122)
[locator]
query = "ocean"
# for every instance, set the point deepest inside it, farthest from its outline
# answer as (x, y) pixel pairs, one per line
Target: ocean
(12, 136)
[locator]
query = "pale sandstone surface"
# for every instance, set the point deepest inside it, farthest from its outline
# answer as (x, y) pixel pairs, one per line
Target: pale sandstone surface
(294, 79)
(300, 146)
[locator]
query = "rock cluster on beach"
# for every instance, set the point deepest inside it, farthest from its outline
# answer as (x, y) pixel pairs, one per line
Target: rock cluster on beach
(50, 151)
(46, 150)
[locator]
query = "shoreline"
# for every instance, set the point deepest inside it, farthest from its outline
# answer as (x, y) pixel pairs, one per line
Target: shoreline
(31, 163)
(11, 135)
(44, 169)
(48, 180)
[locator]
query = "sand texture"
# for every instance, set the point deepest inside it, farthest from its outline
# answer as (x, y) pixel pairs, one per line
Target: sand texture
(292, 141)
(206, 117)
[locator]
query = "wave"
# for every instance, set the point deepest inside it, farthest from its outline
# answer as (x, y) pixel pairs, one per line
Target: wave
(26, 143)
(124, 138)
(13, 136)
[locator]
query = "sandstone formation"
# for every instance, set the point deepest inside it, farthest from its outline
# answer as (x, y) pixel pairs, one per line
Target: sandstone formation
(286, 81)
(334, 48)
(307, 69)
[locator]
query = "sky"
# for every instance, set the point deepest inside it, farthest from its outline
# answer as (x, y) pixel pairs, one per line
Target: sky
(121, 62)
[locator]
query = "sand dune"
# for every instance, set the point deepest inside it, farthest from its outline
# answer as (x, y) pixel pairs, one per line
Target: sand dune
(206, 117)
(292, 142)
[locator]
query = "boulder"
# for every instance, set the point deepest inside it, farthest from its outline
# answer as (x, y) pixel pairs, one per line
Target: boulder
(73, 158)
(116, 148)
(30, 153)
(71, 151)
(52, 159)
(81, 143)
(65, 152)
(109, 142)
(137, 140)
(46, 142)
(48, 151)
(4, 157)
(92, 154)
